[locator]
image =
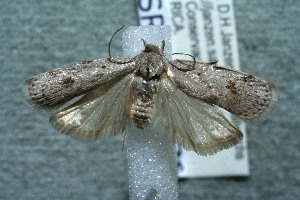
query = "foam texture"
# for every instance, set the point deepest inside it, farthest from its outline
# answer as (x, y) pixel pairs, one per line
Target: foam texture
(133, 35)
(151, 154)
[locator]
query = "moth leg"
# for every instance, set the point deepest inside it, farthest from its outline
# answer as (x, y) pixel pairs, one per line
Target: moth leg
(123, 139)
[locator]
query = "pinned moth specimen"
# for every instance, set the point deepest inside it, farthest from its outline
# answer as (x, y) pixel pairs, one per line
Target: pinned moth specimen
(150, 90)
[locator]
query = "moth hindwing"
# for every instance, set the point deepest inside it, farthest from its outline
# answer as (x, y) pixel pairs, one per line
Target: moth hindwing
(148, 90)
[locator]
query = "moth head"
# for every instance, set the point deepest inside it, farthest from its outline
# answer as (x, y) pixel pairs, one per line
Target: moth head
(153, 48)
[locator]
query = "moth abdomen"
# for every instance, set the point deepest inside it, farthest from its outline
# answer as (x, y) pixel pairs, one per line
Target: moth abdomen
(142, 109)
(142, 113)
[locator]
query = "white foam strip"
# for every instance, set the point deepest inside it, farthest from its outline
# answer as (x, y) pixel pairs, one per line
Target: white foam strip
(151, 154)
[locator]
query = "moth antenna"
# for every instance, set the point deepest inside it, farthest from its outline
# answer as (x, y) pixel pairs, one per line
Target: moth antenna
(144, 41)
(194, 64)
(212, 62)
(109, 44)
(163, 43)
(109, 52)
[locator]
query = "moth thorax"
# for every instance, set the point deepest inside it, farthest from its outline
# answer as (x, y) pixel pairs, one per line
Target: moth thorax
(142, 109)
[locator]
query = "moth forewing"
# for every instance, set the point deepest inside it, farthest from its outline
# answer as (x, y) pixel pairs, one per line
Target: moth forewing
(242, 94)
(51, 89)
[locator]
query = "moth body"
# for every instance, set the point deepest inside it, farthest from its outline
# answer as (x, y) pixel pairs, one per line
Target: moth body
(149, 67)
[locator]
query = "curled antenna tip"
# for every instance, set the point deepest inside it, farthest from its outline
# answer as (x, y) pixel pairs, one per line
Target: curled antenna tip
(144, 41)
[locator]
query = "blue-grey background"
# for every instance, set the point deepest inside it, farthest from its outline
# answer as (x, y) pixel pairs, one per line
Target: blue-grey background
(38, 163)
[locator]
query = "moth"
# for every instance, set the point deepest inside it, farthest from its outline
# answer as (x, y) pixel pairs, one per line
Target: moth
(150, 90)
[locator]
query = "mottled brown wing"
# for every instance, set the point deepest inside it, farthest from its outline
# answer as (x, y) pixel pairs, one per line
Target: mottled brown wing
(51, 89)
(242, 94)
